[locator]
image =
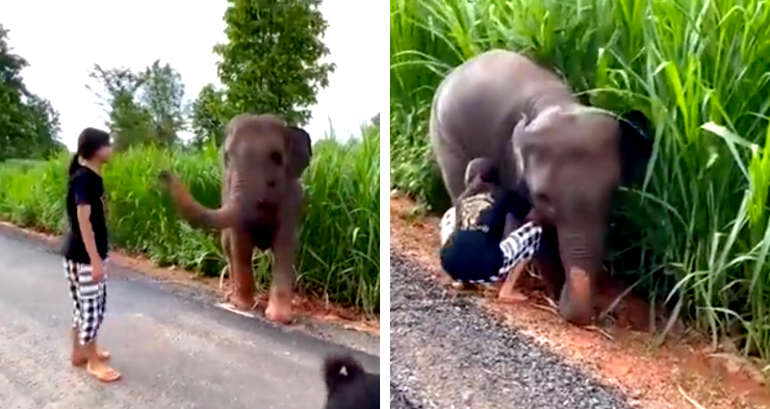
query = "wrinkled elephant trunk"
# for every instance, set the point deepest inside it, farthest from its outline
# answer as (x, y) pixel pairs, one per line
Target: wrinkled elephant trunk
(581, 249)
(199, 216)
(196, 214)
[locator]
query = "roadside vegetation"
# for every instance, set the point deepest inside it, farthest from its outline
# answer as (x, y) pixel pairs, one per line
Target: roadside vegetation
(694, 233)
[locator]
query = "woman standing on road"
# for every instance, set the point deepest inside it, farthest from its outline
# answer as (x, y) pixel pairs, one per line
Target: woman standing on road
(85, 251)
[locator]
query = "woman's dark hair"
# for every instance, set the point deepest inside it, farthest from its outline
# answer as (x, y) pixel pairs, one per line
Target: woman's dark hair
(89, 142)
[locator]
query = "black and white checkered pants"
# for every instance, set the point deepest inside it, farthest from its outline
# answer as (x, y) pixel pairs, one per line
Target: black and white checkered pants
(519, 246)
(89, 300)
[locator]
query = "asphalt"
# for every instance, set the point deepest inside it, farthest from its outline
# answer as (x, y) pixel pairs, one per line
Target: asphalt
(447, 352)
(174, 347)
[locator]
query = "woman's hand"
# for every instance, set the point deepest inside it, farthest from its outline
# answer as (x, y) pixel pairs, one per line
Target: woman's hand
(97, 270)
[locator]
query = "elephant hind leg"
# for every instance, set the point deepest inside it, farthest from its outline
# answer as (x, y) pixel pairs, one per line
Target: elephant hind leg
(451, 162)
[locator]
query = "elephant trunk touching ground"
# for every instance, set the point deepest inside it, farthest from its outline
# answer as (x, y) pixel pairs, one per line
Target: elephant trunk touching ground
(567, 157)
(581, 250)
(262, 161)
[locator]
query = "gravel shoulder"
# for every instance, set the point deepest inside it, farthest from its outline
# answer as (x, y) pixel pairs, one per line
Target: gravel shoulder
(446, 352)
(684, 371)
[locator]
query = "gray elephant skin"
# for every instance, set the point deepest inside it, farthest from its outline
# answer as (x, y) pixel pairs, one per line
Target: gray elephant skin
(568, 158)
(262, 199)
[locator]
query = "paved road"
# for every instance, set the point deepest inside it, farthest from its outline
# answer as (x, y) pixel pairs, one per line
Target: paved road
(174, 348)
(448, 353)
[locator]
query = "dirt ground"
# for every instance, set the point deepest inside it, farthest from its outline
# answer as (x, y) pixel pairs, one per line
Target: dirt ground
(307, 307)
(682, 372)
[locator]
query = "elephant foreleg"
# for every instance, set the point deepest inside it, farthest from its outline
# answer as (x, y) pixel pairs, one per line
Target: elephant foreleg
(279, 308)
(241, 294)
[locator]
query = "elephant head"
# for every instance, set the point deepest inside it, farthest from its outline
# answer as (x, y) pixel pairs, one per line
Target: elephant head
(572, 160)
(262, 159)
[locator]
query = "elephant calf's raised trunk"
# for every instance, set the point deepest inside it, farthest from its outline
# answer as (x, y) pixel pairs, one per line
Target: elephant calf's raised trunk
(195, 213)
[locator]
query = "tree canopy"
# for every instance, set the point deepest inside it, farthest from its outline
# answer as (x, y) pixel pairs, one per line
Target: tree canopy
(272, 62)
(29, 125)
(143, 107)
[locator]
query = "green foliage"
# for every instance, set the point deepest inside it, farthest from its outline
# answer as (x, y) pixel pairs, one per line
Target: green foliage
(209, 115)
(145, 107)
(163, 95)
(29, 126)
(271, 62)
(340, 238)
(696, 231)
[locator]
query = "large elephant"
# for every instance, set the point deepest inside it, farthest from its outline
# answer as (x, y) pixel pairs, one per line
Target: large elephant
(566, 157)
(262, 201)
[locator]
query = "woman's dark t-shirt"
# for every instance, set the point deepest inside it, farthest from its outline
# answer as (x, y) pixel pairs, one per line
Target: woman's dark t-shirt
(85, 188)
(472, 253)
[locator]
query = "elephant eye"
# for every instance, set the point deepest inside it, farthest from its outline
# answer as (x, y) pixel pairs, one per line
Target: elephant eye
(227, 158)
(276, 157)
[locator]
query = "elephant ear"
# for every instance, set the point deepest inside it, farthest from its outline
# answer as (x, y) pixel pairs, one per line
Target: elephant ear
(300, 150)
(635, 144)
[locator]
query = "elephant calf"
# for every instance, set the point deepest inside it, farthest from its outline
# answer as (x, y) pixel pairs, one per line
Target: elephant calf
(566, 157)
(262, 201)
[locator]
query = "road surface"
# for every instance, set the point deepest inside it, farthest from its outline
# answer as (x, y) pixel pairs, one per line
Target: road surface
(448, 353)
(174, 347)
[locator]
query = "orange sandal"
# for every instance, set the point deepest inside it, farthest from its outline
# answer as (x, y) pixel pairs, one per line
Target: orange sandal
(104, 373)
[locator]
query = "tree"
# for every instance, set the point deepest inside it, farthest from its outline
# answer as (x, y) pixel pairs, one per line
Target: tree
(145, 107)
(271, 62)
(162, 95)
(41, 129)
(29, 126)
(129, 123)
(10, 64)
(208, 116)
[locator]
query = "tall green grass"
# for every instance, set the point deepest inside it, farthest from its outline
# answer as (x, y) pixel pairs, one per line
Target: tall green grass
(695, 232)
(340, 238)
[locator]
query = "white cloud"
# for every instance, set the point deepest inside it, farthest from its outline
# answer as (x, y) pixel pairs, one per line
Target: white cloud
(62, 40)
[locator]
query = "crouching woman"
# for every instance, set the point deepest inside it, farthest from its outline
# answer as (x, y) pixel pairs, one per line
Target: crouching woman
(473, 249)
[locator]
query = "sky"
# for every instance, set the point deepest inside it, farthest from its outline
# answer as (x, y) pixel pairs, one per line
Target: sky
(65, 41)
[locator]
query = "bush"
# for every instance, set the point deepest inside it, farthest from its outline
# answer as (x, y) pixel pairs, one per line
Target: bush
(340, 245)
(697, 229)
